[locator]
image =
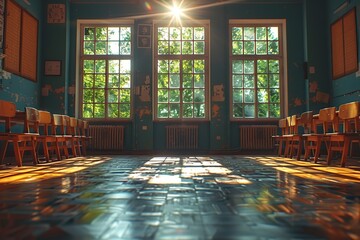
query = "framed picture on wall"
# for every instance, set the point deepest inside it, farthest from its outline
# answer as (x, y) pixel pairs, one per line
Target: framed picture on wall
(144, 41)
(52, 68)
(144, 30)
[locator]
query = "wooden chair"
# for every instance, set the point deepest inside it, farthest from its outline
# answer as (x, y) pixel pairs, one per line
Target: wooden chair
(340, 141)
(295, 142)
(72, 129)
(22, 142)
(280, 139)
(314, 140)
(67, 132)
(48, 141)
(58, 130)
(83, 128)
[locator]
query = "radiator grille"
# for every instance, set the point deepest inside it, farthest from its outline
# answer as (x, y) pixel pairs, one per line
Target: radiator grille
(257, 137)
(182, 137)
(106, 137)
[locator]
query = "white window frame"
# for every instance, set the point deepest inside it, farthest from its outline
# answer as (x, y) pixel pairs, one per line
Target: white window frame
(78, 86)
(283, 68)
(206, 24)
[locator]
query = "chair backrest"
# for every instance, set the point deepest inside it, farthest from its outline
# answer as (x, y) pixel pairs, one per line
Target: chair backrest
(44, 121)
(57, 124)
(31, 120)
(283, 126)
(328, 117)
(73, 125)
(7, 109)
(306, 120)
(293, 124)
(349, 114)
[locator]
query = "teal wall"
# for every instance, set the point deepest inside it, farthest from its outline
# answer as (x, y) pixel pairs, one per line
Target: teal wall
(308, 41)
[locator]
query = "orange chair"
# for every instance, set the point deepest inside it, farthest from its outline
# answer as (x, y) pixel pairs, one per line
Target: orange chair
(295, 142)
(83, 127)
(340, 141)
(22, 142)
(48, 141)
(281, 138)
(58, 130)
(313, 141)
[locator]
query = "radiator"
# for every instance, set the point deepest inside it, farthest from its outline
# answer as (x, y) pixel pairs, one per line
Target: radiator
(106, 137)
(257, 137)
(182, 137)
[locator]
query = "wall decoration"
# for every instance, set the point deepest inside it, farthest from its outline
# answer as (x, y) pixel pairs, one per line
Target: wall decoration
(218, 93)
(52, 68)
(144, 30)
(56, 13)
(144, 41)
(144, 36)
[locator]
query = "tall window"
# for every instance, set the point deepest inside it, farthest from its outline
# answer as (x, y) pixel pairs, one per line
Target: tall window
(256, 56)
(181, 72)
(106, 76)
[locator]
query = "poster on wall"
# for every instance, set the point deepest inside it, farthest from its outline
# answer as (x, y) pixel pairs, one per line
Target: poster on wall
(56, 13)
(2, 10)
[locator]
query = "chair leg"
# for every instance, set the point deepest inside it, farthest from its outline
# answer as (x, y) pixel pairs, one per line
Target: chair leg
(17, 153)
(3, 150)
(345, 151)
(317, 150)
(329, 155)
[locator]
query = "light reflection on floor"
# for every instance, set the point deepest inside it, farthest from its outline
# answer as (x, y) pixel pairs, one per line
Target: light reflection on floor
(180, 197)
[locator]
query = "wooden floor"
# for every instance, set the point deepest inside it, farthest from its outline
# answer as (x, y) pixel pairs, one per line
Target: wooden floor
(180, 197)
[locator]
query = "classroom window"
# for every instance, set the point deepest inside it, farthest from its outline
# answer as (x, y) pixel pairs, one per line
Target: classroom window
(181, 72)
(256, 71)
(106, 71)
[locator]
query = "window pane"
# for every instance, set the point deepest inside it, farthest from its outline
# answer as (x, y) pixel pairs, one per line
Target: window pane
(273, 47)
(113, 110)
(88, 81)
(89, 48)
(249, 96)
(89, 33)
(163, 111)
(261, 33)
(262, 81)
(237, 81)
(273, 33)
(187, 80)
(249, 33)
(199, 33)
(175, 47)
(100, 48)
(114, 33)
(249, 47)
(125, 110)
(237, 96)
(237, 48)
(113, 96)
(187, 95)
(249, 111)
(237, 67)
(249, 81)
(188, 110)
(263, 111)
(174, 110)
(163, 33)
(174, 96)
(99, 110)
(187, 47)
(199, 110)
(100, 81)
(263, 96)
(199, 47)
(187, 33)
(275, 110)
(237, 33)
(274, 80)
(163, 81)
(163, 96)
(238, 110)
